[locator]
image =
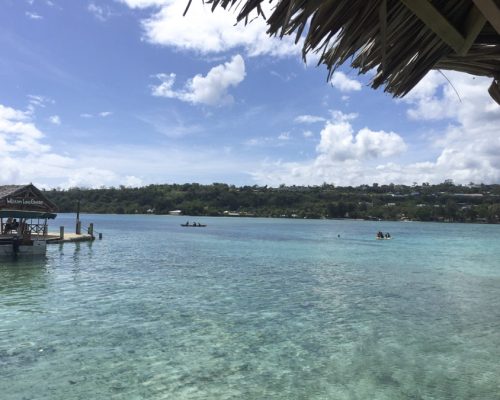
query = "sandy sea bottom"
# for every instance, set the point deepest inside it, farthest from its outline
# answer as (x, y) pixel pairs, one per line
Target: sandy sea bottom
(255, 309)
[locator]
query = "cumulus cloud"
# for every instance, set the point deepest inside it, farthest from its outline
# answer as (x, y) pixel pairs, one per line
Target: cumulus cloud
(468, 147)
(339, 142)
(211, 89)
(26, 158)
(343, 155)
(343, 83)
(18, 133)
(214, 32)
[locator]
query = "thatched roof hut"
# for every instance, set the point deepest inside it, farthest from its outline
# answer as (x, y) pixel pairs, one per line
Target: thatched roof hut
(402, 39)
(25, 199)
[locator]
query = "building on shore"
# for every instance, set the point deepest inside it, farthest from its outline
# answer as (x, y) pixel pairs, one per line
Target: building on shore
(24, 212)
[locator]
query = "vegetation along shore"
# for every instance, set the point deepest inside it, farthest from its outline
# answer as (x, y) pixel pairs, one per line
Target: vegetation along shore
(444, 202)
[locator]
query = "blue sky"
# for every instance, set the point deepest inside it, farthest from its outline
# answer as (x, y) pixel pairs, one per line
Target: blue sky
(130, 92)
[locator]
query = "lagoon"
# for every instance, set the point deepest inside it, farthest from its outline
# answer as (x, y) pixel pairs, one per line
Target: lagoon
(254, 309)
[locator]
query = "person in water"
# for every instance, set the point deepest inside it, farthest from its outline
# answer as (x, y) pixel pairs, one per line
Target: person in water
(387, 235)
(380, 234)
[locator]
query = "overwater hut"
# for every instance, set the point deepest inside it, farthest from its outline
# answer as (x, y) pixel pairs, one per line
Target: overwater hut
(24, 211)
(401, 39)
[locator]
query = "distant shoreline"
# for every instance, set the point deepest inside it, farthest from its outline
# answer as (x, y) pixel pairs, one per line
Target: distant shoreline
(444, 202)
(287, 218)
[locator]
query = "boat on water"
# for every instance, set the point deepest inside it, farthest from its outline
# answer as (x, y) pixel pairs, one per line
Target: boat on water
(194, 225)
(24, 212)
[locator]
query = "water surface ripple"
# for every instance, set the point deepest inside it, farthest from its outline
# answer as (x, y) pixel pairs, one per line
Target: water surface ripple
(255, 309)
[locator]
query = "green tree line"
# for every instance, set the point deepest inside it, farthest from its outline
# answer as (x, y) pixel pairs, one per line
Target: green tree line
(442, 202)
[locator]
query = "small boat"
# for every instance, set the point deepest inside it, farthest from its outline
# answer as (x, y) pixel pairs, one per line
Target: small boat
(194, 225)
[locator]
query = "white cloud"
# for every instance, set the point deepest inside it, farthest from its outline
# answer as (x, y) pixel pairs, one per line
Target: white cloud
(343, 156)
(55, 119)
(99, 12)
(307, 134)
(309, 119)
(340, 143)
(468, 148)
(343, 83)
(102, 114)
(204, 31)
(284, 77)
(145, 3)
(26, 158)
(31, 15)
(471, 143)
(35, 101)
(18, 133)
(284, 136)
(268, 141)
(211, 89)
(259, 141)
(166, 164)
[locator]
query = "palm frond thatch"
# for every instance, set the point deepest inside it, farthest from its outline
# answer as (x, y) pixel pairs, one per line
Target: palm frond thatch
(386, 35)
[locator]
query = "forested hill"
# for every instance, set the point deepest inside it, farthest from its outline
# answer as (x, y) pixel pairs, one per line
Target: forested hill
(442, 202)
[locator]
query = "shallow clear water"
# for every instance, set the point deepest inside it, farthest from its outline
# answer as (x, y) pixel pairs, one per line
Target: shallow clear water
(255, 309)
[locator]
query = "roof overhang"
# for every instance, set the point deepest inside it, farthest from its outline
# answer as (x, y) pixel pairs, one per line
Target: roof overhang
(402, 40)
(26, 214)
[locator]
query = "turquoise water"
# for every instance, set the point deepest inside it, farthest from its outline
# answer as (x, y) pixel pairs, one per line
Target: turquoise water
(255, 309)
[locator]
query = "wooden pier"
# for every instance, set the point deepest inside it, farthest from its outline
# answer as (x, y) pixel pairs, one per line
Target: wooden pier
(53, 238)
(78, 236)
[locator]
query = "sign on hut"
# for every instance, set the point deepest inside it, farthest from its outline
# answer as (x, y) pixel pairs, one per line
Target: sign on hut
(24, 211)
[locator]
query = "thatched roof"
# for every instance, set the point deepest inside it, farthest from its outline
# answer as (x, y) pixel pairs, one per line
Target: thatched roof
(24, 197)
(402, 39)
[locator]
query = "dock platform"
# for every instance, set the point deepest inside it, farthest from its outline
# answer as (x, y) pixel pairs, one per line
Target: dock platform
(53, 238)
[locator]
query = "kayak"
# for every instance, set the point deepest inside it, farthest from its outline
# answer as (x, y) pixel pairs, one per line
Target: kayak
(194, 226)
